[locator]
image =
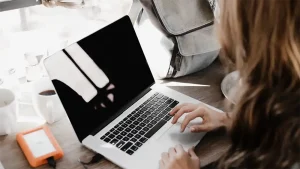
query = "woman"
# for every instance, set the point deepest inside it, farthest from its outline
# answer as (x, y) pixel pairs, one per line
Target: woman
(262, 38)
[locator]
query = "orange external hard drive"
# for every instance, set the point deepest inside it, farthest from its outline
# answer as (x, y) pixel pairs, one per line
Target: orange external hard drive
(38, 145)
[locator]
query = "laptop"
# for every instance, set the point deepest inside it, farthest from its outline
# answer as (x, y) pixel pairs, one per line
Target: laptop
(112, 100)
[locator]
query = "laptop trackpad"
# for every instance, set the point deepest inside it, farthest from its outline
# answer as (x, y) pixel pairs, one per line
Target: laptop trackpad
(173, 137)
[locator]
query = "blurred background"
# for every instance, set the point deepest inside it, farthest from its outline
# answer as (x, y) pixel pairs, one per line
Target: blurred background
(30, 32)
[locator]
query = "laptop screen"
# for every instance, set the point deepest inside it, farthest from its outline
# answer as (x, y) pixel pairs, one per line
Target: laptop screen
(97, 76)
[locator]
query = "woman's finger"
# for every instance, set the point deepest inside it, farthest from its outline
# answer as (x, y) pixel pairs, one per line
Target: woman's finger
(176, 108)
(192, 153)
(165, 157)
(200, 128)
(172, 151)
(184, 109)
(179, 149)
(161, 164)
(191, 116)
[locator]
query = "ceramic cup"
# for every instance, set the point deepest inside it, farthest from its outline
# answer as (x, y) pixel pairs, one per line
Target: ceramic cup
(8, 112)
(46, 101)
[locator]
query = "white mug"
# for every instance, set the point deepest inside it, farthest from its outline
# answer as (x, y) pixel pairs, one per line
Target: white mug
(8, 112)
(46, 101)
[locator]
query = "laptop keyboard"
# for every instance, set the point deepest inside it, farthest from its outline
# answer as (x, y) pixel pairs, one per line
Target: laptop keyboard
(139, 126)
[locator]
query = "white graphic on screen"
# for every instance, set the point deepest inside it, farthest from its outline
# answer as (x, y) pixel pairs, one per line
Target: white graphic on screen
(83, 76)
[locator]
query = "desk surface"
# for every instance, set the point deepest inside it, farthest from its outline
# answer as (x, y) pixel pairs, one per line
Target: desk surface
(210, 148)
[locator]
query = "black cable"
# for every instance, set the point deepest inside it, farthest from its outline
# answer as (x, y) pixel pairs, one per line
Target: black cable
(96, 158)
(51, 162)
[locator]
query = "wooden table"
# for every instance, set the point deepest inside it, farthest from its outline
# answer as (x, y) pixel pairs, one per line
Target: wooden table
(210, 148)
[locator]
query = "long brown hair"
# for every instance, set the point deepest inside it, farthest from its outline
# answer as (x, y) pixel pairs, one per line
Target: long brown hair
(262, 38)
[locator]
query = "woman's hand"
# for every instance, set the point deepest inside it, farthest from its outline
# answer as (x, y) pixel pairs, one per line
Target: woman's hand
(211, 118)
(177, 158)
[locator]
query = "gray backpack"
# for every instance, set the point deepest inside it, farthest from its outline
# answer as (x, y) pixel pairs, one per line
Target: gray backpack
(177, 36)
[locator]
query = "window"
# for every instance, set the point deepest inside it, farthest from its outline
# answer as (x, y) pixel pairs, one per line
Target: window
(16, 4)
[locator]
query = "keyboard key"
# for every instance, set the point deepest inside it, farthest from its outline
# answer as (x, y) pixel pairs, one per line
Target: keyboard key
(111, 136)
(120, 129)
(119, 137)
(120, 144)
(133, 140)
(160, 115)
(136, 123)
(150, 117)
(169, 101)
(172, 105)
(157, 119)
(167, 117)
(142, 124)
(134, 131)
(106, 134)
(139, 144)
(125, 139)
(132, 118)
(129, 115)
(112, 130)
(164, 112)
(138, 128)
(128, 122)
(144, 116)
(124, 125)
(129, 135)
(150, 133)
(146, 121)
(131, 126)
(130, 152)
(123, 133)
(136, 115)
(126, 146)
(107, 140)
(114, 141)
(146, 129)
(144, 109)
(127, 129)
(116, 132)
(139, 119)
(134, 148)
(103, 137)
(137, 136)
(143, 140)
(159, 96)
(150, 125)
(165, 98)
(142, 132)
(153, 122)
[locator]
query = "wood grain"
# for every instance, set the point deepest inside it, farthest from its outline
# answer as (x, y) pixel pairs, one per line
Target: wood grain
(210, 148)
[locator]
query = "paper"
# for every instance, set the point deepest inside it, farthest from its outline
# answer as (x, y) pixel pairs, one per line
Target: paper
(39, 143)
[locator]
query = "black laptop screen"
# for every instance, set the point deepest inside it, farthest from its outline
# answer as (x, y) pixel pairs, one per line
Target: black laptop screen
(99, 75)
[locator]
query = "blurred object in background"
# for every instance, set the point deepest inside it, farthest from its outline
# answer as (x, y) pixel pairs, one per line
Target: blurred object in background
(33, 66)
(230, 86)
(63, 3)
(28, 35)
